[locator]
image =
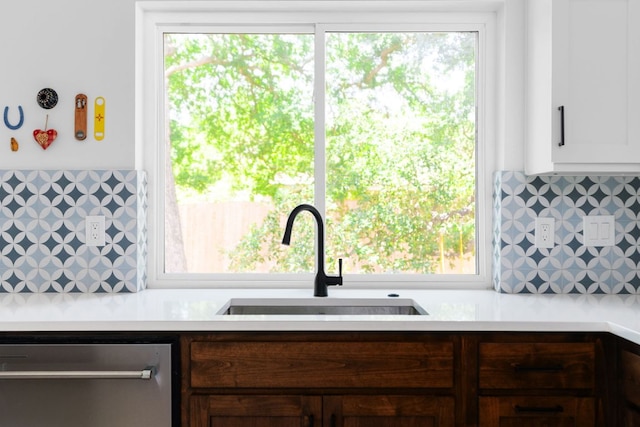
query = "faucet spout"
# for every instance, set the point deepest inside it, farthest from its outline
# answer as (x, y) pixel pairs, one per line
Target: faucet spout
(322, 281)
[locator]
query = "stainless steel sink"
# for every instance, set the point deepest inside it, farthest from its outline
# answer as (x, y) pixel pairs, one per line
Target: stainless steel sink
(316, 306)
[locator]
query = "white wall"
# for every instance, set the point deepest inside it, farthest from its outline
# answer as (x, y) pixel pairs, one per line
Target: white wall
(510, 92)
(72, 46)
(88, 46)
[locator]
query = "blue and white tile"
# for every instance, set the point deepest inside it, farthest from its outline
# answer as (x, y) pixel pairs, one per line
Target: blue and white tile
(569, 267)
(42, 225)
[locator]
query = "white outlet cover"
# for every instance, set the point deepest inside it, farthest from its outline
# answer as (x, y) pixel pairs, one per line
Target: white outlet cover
(599, 230)
(95, 237)
(545, 232)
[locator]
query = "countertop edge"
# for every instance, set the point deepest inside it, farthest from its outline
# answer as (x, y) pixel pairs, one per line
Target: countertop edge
(196, 310)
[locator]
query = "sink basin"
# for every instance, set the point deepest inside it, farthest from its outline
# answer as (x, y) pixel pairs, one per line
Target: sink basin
(315, 306)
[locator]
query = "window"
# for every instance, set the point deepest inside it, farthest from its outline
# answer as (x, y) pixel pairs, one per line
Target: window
(376, 117)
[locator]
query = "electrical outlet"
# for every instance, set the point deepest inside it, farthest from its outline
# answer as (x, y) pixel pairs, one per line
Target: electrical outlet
(94, 229)
(545, 232)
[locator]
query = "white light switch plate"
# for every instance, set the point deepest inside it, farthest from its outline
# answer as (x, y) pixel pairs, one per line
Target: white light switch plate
(599, 230)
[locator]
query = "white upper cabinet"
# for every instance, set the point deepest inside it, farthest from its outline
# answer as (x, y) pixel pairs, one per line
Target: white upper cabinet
(583, 87)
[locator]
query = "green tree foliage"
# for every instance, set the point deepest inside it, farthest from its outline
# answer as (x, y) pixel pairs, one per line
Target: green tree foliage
(247, 117)
(400, 141)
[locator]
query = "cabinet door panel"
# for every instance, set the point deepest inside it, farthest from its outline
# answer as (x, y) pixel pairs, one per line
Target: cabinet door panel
(388, 411)
(582, 56)
(423, 421)
(254, 421)
(596, 62)
(630, 417)
(255, 411)
(630, 383)
(631, 377)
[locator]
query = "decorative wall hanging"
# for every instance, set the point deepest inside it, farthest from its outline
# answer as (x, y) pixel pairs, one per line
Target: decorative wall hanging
(14, 144)
(20, 121)
(47, 98)
(45, 137)
(81, 117)
(98, 122)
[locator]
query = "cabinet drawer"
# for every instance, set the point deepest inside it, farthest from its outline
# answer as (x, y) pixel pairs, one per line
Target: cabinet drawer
(321, 364)
(631, 376)
(535, 411)
(537, 365)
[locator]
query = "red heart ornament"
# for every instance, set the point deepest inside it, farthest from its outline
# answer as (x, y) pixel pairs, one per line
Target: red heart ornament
(45, 137)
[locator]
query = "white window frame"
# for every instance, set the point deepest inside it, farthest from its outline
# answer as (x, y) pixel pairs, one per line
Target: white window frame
(154, 18)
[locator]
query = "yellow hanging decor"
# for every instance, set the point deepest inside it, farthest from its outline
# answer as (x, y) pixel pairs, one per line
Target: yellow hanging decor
(99, 118)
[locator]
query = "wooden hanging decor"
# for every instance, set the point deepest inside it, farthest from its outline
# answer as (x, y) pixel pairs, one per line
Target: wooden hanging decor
(81, 117)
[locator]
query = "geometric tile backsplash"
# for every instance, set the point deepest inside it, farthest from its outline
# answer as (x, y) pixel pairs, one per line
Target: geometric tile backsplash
(568, 267)
(42, 230)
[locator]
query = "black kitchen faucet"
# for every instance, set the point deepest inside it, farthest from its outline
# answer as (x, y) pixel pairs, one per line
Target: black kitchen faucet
(322, 281)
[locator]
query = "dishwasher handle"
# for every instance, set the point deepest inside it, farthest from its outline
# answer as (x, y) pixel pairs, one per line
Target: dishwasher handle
(144, 374)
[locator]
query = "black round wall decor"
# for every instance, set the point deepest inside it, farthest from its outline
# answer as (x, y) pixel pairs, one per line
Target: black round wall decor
(47, 98)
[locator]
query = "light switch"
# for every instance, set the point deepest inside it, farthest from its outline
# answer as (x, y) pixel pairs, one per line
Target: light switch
(599, 230)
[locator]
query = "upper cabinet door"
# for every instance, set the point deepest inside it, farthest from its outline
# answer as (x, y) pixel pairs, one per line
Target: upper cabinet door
(583, 86)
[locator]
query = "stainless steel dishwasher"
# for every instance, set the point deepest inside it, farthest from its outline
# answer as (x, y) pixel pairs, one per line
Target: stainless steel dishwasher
(86, 385)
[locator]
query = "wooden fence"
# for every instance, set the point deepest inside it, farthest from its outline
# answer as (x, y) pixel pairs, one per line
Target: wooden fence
(208, 229)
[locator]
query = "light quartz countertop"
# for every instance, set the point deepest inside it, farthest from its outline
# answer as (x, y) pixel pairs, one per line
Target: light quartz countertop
(196, 310)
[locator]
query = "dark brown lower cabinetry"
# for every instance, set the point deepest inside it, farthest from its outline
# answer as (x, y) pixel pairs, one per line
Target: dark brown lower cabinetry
(319, 411)
(254, 411)
(388, 411)
(629, 380)
(321, 380)
(542, 380)
(535, 411)
(390, 379)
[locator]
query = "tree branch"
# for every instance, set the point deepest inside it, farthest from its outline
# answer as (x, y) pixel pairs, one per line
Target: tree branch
(384, 61)
(193, 64)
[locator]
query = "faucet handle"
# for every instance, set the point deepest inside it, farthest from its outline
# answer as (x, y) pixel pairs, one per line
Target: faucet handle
(339, 271)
